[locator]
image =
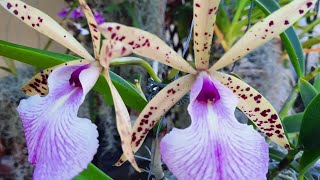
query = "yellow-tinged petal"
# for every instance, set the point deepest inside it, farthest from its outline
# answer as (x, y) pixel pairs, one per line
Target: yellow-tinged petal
(156, 108)
(109, 51)
(123, 123)
(263, 31)
(93, 25)
(39, 83)
(204, 14)
(145, 44)
(256, 108)
(122, 114)
(45, 25)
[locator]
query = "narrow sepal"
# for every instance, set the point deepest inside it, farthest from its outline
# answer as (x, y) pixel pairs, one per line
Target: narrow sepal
(93, 25)
(123, 123)
(39, 83)
(156, 108)
(266, 29)
(256, 108)
(204, 14)
(41, 22)
(145, 44)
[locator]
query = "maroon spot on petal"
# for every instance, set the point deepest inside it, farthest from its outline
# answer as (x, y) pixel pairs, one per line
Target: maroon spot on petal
(110, 29)
(210, 11)
(197, 5)
(301, 11)
(281, 136)
(9, 5)
(256, 109)
(196, 34)
(269, 134)
(309, 4)
(139, 129)
(271, 23)
(131, 43)
(29, 17)
(118, 27)
(279, 126)
(17, 5)
(15, 12)
(264, 113)
(286, 22)
(33, 25)
(123, 50)
(113, 35)
(25, 6)
(22, 17)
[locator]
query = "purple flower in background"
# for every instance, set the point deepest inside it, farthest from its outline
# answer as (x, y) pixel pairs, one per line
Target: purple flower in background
(64, 12)
(98, 16)
(76, 13)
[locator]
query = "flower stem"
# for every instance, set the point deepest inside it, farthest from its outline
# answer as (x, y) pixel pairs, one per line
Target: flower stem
(284, 163)
(136, 61)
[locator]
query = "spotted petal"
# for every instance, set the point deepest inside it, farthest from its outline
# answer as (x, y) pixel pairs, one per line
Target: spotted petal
(204, 14)
(256, 108)
(156, 108)
(45, 25)
(93, 25)
(145, 44)
(39, 83)
(265, 30)
(59, 143)
(215, 145)
(122, 114)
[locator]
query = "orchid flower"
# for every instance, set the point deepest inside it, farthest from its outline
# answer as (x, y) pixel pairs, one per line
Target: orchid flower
(215, 145)
(59, 143)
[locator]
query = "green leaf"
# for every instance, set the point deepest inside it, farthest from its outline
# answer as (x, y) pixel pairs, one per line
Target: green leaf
(45, 59)
(289, 38)
(308, 158)
(307, 91)
(309, 135)
(310, 126)
(293, 123)
(316, 83)
(92, 173)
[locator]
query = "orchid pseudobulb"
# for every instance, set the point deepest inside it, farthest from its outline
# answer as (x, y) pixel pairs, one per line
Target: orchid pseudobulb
(216, 145)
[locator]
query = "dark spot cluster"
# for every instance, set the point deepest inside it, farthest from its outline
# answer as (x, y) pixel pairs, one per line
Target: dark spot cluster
(145, 125)
(24, 16)
(39, 83)
(268, 122)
